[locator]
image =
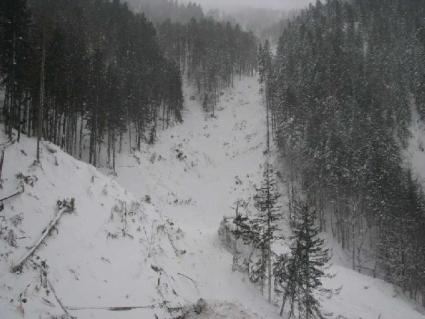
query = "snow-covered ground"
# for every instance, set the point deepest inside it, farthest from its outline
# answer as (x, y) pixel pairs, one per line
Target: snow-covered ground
(149, 235)
(196, 172)
(112, 251)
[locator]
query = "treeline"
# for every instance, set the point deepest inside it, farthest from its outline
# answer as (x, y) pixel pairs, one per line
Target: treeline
(84, 72)
(341, 90)
(210, 54)
(161, 10)
(256, 20)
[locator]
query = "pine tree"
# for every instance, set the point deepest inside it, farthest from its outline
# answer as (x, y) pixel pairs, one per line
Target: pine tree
(341, 91)
(264, 225)
(260, 230)
(83, 72)
(15, 28)
(300, 274)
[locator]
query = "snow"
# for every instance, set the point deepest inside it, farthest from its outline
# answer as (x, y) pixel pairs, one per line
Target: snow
(221, 162)
(221, 311)
(365, 297)
(86, 266)
(150, 233)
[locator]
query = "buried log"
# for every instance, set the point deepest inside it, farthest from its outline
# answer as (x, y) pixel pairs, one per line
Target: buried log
(18, 192)
(63, 207)
(52, 289)
(193, 281)
(119, 308)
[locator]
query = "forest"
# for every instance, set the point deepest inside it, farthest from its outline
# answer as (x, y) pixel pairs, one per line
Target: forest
(162, 10)
(83, 73)
(341, 91)
(212, 54)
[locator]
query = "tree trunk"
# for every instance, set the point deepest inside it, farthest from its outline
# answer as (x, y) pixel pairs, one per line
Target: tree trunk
(80, 141)
(18, 126)
(113, 151)
(40, 107)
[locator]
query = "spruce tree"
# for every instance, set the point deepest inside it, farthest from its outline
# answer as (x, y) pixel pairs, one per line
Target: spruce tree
(300, 274)
(264, 225)
(341, 97)
(260, 230)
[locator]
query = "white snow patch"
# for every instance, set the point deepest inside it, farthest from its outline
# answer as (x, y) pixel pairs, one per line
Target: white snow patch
(102, 255)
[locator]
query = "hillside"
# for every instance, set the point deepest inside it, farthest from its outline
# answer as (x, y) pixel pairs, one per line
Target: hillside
(159, 247)
(195, 174)
(160, 161)
(112, 251)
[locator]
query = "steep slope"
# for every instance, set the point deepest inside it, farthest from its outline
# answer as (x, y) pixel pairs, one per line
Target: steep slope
(156, 250)
(194, 175)
(112, 251)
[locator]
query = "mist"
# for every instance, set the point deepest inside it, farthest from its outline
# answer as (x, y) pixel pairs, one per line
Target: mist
(269, 4)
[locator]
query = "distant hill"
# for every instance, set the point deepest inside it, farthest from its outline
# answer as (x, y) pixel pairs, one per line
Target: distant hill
(162, 10)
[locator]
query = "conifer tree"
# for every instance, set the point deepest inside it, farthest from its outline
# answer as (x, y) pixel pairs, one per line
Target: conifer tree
(266, 202)
(341, 99)
(261, 229)
(79, 73)
(300, 274)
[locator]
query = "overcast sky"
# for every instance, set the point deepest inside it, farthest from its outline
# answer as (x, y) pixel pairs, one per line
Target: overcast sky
(274, 4)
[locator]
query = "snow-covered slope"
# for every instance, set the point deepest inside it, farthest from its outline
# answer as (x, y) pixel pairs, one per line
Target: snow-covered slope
(112, 251)
(194, 175)
(160, 244)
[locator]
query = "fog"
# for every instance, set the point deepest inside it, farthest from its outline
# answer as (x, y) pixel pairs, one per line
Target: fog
(270, 4)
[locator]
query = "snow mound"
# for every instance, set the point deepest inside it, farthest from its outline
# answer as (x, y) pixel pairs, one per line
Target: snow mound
(112, 254)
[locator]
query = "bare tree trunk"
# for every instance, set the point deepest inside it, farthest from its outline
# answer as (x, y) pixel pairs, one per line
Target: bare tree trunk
(27, 118)
(109, 149)
(18, 115)
(5, 110)
(163, 116)
(129, 135)
(120, 146)
(285, 296)
(80, 142)
(113, 150)
(40, 107)
(423, 296)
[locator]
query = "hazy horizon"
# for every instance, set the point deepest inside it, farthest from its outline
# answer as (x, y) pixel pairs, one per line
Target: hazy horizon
(268, 4)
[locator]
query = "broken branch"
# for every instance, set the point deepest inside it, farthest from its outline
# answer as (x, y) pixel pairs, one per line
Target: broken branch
(46, 231)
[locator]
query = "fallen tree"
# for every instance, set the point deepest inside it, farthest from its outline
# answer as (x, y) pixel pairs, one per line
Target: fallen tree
(62, 208)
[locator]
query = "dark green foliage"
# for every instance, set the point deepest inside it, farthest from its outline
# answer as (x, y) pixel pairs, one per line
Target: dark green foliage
(261, 229)
(299, 275)
(264, 62)
(104, 74)
(211, 54)
(346, 77)
(266, 203)
(161, 10)
(14, 63)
